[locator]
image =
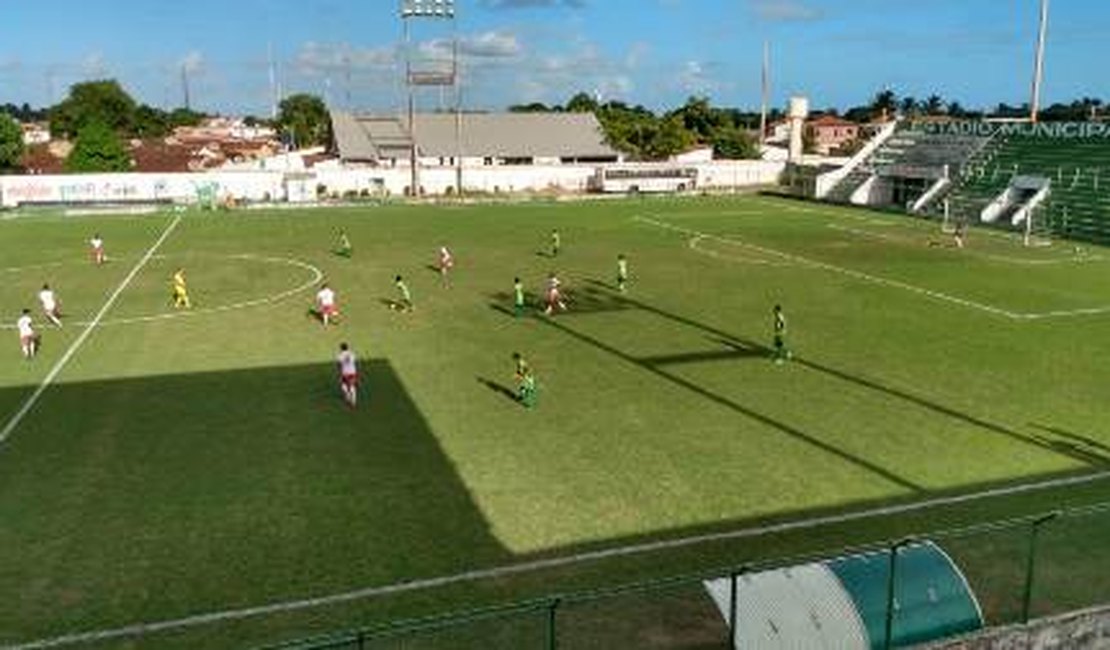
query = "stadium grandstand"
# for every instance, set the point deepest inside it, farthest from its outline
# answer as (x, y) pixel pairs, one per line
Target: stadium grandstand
(1051, 178)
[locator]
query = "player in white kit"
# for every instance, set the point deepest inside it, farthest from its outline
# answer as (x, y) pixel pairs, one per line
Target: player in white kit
(50, 305)
(97, 249)
(348, 374)
(326, 305)
(28, 340)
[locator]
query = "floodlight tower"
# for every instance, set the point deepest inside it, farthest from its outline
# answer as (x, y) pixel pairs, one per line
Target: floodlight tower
(1038, 64)
(419, 73)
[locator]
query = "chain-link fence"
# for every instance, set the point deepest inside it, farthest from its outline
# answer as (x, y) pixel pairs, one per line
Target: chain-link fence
(1018, 569)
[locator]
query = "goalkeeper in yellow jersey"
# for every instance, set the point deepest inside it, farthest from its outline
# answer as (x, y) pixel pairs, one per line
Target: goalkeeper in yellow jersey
(180, 290)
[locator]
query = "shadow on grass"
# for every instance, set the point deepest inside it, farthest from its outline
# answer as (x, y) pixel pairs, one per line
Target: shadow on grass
(1070, 451)
(190, 493)
(500, 389)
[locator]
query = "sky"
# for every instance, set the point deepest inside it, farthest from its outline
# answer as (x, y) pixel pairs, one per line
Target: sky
(651, 52)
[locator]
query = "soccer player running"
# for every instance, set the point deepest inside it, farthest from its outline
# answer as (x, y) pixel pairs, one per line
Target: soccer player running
(958, 234)
(518, 298)
(556, 243)
(404, 301)
(326, 306)
(554, 295)
(28, 340)
(622, 273)
(781, 352)
(180, 291)
(526, 381)
(96, 250)
(49, 303)
(348, 374)
(446, 262)
(345, 249)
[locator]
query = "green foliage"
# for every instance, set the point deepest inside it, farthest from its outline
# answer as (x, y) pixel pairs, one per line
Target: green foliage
(11, 142)
(98, 149)
(582, 103)
(104, 102)
(734, 143)
(305, 118)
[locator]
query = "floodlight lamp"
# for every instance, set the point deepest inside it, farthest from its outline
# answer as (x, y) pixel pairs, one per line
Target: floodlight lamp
(427, 8)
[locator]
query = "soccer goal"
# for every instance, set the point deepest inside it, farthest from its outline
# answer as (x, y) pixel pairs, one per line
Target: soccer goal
(1038, 227)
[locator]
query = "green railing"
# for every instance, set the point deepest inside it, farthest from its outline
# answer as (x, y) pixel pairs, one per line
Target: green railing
(1019, 569)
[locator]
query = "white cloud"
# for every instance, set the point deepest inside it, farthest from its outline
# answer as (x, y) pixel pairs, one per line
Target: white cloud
(487, 45)
(784, 10)
(327, 58)
(192, 63)
(94, 65)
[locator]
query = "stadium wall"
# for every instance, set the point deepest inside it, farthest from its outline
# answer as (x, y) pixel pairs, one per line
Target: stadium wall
(300, 186)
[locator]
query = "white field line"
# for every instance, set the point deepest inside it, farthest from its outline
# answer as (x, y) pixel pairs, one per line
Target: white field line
(859, 275)
(14, 421)
(141, 629)
(1007, 259)
(17, 269)
(317, 276)
(693, 245)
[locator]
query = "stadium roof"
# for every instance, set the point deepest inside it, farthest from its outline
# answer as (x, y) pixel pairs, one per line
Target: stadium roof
(497, 135)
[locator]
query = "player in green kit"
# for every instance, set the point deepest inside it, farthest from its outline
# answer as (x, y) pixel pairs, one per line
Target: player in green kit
(622, 273)
(345, 249)
(526, 381)
(556, 243)
(781, 352)
(405, 301)
(518, 298)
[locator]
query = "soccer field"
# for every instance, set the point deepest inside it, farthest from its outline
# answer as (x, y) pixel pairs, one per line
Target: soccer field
(161, 464)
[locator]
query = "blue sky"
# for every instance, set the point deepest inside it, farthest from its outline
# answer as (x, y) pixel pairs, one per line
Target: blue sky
(654, 52)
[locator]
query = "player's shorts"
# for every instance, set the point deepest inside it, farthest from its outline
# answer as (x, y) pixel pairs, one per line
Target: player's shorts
(26, 340)
(349, 380)
(329, 310)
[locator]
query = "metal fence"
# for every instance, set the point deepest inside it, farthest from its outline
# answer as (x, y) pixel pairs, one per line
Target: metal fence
(1019, 569)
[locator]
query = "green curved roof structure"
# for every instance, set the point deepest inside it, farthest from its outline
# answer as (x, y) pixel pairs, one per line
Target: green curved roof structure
(842, 603)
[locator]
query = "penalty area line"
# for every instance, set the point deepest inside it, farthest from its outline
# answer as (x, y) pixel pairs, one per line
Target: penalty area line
(423, 584)
(18, 416)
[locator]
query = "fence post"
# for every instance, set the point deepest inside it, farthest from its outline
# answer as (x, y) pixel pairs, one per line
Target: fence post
(1030, 560)
(888, 637)
(552, 638)
(732, 597)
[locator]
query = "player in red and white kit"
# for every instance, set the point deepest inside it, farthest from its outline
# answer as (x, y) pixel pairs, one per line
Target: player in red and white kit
(50, 305)
(446, 262)
(554, 295)
(326, 305)
(348, 374)
(97, 249)
(28, 340)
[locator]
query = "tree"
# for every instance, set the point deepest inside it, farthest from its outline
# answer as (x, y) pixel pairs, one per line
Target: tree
(934, 105)
(11, 142)
(671, 138)
(884, 103)
(534, 107)
(734, 143)
(103, 102)
(151, 122)
(98, 149)
(305, 119)
(582, 103)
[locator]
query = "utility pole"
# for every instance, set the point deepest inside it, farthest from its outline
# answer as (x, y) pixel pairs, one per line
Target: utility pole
(185, 84)
(273, 82)
(766, 90)
(1038, 64)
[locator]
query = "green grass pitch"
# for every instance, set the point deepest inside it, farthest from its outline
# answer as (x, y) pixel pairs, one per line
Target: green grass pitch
(184, 463)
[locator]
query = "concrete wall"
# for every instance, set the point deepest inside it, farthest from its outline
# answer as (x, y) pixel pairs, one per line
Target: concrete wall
(1088, 629)
(281, 185)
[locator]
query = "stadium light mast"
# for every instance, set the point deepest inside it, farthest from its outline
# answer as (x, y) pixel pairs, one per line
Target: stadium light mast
(414, 78)
(1038, 64)
(765, 82)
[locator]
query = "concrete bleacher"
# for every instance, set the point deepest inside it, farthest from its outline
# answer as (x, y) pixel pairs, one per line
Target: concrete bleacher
(1078, 206)
(910, 148)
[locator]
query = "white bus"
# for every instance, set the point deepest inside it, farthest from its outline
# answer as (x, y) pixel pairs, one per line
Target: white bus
(633, 179)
